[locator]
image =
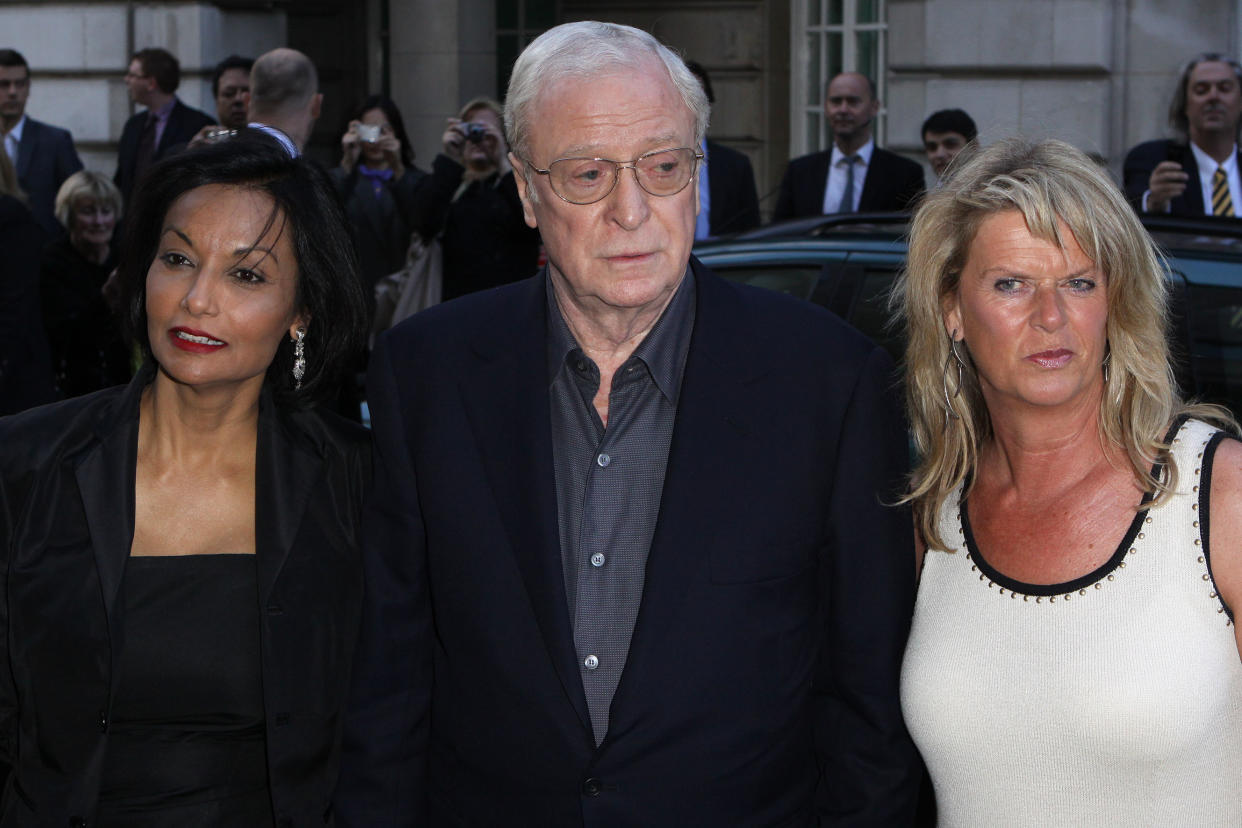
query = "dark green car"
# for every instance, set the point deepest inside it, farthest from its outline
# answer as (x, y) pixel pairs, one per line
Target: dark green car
(848, 264)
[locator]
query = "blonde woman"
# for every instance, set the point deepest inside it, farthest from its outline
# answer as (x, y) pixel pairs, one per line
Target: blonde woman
(1073, 658)
(88, 351)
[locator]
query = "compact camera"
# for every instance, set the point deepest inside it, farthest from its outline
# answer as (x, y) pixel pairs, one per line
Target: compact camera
(221, 134)
(369, 133)
(475, 133)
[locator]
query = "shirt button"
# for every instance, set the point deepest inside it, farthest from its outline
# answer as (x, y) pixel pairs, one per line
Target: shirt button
(591, 662)
(597, 559)
(603, 461)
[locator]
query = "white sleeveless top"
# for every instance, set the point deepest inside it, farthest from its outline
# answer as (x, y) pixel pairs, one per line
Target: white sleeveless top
(1113, 699)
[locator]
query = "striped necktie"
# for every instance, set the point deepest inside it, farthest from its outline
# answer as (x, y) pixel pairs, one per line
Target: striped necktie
(1222, 204)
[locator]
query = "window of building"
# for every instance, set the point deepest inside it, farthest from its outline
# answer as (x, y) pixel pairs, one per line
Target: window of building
(829, 37)
(518, 22)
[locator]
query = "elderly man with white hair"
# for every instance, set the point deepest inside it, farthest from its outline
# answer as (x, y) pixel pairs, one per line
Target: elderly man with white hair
(628, 561)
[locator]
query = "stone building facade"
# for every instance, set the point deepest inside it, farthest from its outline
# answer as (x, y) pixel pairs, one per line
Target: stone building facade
(1097, 73)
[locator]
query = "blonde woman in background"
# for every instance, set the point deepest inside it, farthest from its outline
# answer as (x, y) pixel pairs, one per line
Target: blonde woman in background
(88, 350)
(1073, 658)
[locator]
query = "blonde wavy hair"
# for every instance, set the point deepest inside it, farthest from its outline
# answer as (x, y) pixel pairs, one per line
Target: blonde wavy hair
(1053, 185)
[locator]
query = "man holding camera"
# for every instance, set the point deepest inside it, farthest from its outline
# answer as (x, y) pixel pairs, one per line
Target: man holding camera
(476, 211)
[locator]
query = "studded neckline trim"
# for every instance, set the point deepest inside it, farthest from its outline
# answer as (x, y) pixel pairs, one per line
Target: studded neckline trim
(1065, 590)
(1104, 572)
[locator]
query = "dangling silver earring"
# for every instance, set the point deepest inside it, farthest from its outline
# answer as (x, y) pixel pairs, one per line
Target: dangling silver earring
(1104, 365)
(299, 358)
(957, 389)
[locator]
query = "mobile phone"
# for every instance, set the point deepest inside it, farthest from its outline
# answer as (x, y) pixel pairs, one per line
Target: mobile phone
(1176, 153)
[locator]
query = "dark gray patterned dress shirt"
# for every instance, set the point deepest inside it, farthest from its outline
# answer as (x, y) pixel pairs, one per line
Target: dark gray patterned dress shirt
(609, 482)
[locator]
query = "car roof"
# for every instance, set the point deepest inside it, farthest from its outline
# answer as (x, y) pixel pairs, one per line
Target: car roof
(1179, 237)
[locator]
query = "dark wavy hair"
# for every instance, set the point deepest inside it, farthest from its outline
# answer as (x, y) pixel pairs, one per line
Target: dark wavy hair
(329, 286)
(385, 105)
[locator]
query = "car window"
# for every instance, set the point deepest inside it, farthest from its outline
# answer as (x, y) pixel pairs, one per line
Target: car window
(871, 315)
(795, 280)
(1213, 319)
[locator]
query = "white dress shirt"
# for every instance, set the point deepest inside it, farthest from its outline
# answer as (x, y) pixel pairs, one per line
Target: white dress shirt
(13, 140)
(837, 171)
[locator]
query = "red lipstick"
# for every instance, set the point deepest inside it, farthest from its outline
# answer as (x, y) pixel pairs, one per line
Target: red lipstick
(196, 342)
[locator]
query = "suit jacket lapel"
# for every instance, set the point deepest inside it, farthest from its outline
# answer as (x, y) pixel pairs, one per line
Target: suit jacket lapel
(286, 471)
(26, 149)
(1194, 189)
(171, 130)
(817, 182)
(106, 478)
(876, 176)
(507, 403)
(712, 417)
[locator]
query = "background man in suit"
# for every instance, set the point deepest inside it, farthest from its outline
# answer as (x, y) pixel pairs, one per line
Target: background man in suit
(166, 125)
(728, 202)
(1169, 176)
(627, 562)
(855, 175)
(284, 97)
(945, 134)
(42, 154)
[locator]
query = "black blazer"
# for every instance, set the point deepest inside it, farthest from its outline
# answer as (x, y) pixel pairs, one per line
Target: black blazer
(45, 158)
(1140, 161)
(66, 524)
(892, 183)
(184, 122)
(731, 183)
(761, 683)
(25, 363)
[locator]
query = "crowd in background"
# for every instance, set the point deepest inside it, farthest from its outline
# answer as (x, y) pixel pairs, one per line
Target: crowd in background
(458, 224)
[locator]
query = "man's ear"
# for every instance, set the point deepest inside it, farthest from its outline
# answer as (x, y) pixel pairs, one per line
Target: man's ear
(316, 105)
(528, 197)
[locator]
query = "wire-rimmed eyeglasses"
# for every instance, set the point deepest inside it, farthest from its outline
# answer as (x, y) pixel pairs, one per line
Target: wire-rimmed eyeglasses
(588, 180)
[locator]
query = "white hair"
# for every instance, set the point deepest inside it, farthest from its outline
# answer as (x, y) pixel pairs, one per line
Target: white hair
(583, 50)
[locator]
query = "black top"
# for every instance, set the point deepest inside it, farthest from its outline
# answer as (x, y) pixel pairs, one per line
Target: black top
(481, 227)
(186, 741)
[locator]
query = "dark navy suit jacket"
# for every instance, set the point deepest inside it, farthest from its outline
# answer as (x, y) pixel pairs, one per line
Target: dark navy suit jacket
(761, 686)
(731, 183)
(184, 122)
(893, 183)
(45, 158)
(1144, 158)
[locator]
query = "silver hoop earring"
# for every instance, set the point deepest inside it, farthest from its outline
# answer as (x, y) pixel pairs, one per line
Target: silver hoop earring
(299, 358)
(944, 378)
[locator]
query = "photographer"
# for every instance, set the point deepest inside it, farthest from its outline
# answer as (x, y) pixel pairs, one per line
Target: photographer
(475, 207)
(386, 197)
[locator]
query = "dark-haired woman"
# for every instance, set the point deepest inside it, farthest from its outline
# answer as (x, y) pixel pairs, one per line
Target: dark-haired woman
(385, 195)
(181, 578)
